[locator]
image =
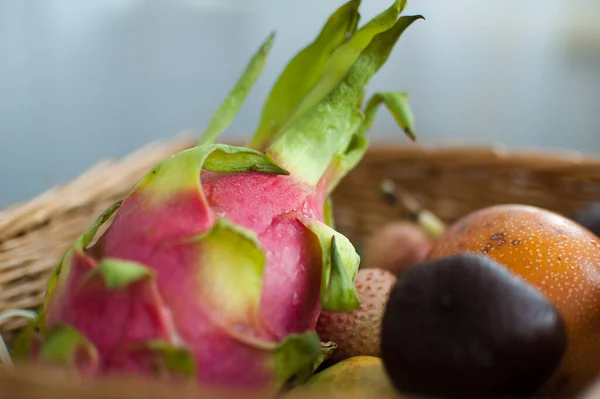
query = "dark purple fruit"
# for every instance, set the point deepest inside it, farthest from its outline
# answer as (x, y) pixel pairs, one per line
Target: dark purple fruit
(589, 217)
(465, 326)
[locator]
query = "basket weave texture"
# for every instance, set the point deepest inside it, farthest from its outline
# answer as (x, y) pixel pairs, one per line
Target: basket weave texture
(35, 235)
(450, 182)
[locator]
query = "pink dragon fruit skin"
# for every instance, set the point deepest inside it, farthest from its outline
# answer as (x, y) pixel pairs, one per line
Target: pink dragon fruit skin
(217, 264)
(289, 303)
(193, 284)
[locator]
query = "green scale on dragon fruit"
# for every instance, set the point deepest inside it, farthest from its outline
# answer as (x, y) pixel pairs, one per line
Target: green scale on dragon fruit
(217, 264)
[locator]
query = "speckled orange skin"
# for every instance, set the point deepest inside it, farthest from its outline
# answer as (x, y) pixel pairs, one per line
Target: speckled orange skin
(557, 256)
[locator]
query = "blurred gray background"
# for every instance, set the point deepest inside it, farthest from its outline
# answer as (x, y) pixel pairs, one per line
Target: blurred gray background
(83, 80)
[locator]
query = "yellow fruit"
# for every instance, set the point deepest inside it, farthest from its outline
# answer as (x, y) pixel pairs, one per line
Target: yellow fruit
(356, 377)
(555, 255)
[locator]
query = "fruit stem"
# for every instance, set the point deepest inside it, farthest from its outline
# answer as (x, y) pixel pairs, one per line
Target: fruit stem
(433, 226)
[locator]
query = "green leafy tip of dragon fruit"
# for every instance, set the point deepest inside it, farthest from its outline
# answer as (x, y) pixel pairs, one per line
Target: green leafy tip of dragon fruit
(217, 264)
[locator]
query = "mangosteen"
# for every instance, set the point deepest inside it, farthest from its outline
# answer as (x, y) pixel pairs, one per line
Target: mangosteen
(464, 326)
(589, 217)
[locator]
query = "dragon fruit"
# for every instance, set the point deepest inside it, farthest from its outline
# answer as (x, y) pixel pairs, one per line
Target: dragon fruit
(217, 264)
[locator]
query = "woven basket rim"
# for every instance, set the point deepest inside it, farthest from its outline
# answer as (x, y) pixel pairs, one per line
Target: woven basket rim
(382, 151)
(41, 381)
(419, 149)
(386, 149)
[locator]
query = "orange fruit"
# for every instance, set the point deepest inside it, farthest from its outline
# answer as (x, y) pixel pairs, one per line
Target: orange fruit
(557, 256)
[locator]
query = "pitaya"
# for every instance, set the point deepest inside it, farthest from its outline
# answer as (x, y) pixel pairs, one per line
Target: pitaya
(215, 267)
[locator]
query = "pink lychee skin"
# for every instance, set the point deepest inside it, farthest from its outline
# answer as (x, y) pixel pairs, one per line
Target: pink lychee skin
(357, 333)
(169, 309)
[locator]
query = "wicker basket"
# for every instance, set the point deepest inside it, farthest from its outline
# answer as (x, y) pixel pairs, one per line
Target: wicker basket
(450, 182)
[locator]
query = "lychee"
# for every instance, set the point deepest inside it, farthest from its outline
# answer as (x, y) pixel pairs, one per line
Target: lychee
(357, 333)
